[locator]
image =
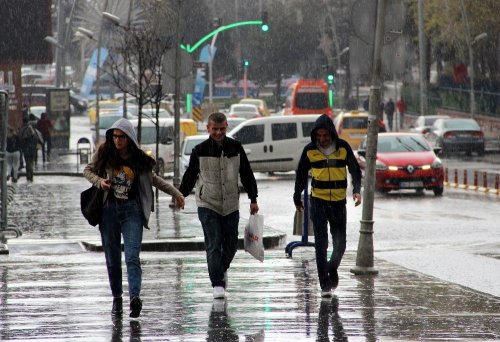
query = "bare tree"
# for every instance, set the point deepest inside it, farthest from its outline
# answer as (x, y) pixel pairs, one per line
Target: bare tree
(140, 51)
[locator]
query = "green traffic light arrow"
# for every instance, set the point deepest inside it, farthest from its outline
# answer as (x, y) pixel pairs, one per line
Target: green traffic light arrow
(191, 49)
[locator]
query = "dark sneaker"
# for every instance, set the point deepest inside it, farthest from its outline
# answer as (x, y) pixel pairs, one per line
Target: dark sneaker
(135, 307)
(334, 278)
(117, 309)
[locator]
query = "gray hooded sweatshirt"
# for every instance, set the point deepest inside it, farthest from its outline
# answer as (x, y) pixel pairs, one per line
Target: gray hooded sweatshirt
(146, 179)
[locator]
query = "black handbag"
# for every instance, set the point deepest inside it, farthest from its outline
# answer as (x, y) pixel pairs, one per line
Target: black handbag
(91, 204)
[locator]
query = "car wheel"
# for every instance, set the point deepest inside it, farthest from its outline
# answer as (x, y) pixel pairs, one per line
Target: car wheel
(160, 167)
(438, 191)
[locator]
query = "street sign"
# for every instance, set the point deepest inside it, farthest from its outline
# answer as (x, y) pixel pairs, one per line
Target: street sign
(199, 64)
(197, 99)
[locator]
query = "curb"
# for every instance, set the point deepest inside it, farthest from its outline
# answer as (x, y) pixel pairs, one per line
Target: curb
(187, 244)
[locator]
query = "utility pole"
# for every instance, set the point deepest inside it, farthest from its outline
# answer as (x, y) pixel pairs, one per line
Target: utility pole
(177, 112)
(364, 258)
(423, 58)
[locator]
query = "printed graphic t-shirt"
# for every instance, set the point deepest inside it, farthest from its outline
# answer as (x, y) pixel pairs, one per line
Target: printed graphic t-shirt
(122, 181)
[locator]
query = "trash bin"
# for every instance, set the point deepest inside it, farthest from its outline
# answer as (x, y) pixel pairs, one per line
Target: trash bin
(298, 221)
(83, 151)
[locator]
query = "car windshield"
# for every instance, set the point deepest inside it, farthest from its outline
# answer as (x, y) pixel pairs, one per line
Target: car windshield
(430, 121)
(402, 143)
(190, 144)
(105, 122)
(461, 124)
(251, 109)
(355, 122)
(311, 100)
(148, 135)
(252, 102)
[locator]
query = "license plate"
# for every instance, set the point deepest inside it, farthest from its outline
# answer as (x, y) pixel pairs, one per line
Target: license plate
(417, 184)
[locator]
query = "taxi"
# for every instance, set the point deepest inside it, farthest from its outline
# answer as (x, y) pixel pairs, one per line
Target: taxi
(352, 127)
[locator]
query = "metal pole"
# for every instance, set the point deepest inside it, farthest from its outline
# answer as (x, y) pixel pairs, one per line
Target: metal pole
(423, 58)
(245, 78)
(397, 118)
(59, 50)
(4, 119)
(124, 63)
(210, 69)
(177, 113)
(364, 258)
(468, 39)
(98, 77)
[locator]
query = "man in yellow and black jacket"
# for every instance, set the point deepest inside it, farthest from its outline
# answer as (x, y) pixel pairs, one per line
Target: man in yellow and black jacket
(329, 158)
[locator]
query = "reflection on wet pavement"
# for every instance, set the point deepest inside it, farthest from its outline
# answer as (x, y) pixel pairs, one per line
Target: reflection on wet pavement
(65, 297)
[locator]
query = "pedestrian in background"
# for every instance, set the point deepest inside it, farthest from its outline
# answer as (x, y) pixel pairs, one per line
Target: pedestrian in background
(214, 167)
(30, 137)
(44, 125)
(402, 107)
(389, 109)
(13, 154)
(125, 173)
(329, 158)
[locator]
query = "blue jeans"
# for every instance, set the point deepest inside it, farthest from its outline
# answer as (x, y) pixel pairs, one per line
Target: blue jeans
(323, 213)
(122, 219)
(221, 242)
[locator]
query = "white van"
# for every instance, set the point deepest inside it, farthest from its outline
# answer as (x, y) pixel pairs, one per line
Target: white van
(274, 143)
(165, 157)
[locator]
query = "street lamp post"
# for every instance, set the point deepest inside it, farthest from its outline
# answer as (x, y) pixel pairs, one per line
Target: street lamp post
(89, 34)
(471, 71)
(217, 23)
(116, 20)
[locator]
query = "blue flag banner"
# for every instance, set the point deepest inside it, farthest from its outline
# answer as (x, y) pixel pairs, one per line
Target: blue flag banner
(90, 74)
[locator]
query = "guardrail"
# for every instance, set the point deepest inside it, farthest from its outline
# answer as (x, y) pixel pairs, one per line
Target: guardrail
(480, 181)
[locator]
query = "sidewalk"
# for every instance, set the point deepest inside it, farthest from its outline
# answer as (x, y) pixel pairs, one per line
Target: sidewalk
(52, 288)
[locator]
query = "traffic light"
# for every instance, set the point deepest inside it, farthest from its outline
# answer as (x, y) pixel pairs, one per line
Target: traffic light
(264, 27)
(330, 78)
(245, 63)
(205, 72)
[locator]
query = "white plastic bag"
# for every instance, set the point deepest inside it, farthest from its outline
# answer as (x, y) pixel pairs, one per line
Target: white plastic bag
(253, 237)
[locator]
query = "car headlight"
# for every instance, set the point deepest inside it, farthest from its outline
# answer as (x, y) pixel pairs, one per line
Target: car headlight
(437, 164)
(379, 166)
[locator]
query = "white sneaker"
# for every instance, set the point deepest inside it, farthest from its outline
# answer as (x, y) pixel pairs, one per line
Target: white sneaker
(219, 292)
(326, 294)
(219, 305)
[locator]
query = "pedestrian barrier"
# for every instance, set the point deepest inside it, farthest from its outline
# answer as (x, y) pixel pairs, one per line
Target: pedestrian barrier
(490, 182)
(305, 235)
(83, 152)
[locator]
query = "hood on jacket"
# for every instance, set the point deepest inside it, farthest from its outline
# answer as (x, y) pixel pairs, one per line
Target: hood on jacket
(126, 127)
(324, 122)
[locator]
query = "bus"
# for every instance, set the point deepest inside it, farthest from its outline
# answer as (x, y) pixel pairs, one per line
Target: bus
(307, 97)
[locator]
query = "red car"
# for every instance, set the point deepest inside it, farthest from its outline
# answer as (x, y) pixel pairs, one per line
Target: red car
(405, 161)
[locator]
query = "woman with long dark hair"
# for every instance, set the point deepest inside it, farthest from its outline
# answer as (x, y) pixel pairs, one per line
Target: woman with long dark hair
(125, 172)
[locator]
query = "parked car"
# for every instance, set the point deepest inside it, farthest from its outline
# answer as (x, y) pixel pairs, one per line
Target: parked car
(106, 120)
(246, 111)
(457, 135)
(405, 161)
(187, 147)
(423, 124)
(274, 143)
(233, 122)
(260, 104)
(165, 158)
(352, 127)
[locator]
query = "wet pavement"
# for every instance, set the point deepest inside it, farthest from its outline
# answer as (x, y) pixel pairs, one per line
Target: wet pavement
(53, 289)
